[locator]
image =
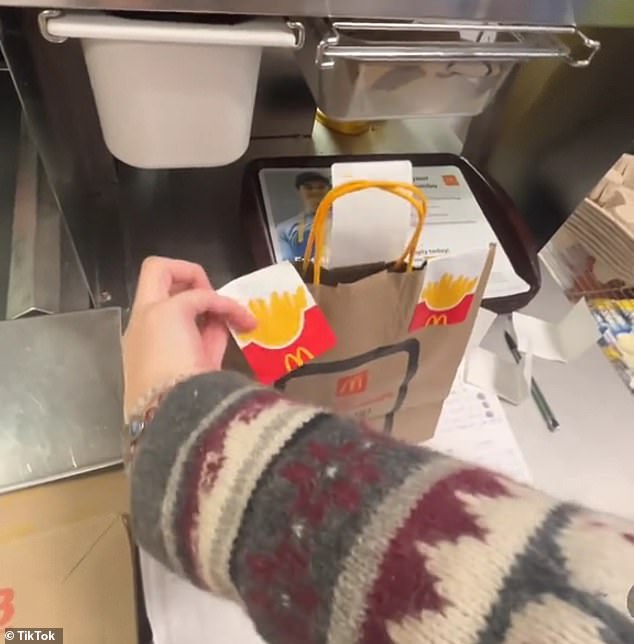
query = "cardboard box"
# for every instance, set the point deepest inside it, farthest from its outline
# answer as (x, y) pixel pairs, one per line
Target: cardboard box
(66, 560)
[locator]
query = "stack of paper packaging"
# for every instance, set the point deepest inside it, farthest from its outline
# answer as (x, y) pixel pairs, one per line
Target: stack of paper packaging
(604, 221)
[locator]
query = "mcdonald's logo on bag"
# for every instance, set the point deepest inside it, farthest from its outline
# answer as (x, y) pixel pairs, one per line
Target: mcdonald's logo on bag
(297, 359)
(355, 383)
(436, 320)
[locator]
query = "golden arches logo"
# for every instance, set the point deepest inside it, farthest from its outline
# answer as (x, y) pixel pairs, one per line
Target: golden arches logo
(436, 320)
(280, 318)
(353, 384)
(297, 359)
(448, 291)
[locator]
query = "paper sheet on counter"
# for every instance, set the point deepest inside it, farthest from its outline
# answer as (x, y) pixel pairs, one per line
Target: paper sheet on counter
(561, 341)
(180, 613)
(473, 427)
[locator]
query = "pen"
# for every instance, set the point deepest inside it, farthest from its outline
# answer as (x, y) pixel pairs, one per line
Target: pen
(544, 408)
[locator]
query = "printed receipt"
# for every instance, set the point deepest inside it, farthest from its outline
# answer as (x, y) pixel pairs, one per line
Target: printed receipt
(456, 224)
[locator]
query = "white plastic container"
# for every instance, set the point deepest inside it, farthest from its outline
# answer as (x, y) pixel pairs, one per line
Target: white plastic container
(172, 94)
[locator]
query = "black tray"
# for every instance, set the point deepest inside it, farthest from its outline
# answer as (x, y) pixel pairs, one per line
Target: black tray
(505, 219)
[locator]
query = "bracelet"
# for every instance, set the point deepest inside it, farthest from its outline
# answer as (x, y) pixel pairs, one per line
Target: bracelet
(142, 414)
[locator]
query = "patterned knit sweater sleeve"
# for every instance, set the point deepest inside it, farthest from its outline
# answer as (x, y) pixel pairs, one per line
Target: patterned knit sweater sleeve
(328, 533)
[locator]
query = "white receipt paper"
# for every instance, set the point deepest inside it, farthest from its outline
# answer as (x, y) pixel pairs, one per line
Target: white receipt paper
(370, 225)
(563, 341)
(180, 613)
(472, 425)
(474, 428)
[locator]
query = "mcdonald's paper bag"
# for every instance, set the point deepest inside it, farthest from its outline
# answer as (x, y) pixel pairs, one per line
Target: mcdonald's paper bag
(381, 372)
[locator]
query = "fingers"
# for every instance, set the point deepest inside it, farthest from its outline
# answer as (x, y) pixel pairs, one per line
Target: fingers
(237, 316)
(197, 302)
(162, 277)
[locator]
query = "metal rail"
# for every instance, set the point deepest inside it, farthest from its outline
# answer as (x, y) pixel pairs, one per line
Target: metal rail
(553, 12)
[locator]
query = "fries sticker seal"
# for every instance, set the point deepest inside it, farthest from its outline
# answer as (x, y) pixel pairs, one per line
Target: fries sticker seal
(291, 330)
(448, 289)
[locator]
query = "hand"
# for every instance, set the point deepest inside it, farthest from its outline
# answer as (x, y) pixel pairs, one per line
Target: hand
(177, 327)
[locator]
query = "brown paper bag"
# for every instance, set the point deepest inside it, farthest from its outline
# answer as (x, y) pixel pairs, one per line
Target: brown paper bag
(380, 373)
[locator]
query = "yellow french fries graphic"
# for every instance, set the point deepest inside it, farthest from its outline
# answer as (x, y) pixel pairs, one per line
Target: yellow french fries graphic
(280, 318)
(448, 291)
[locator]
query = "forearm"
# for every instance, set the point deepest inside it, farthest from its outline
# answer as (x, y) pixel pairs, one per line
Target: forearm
(327, 532)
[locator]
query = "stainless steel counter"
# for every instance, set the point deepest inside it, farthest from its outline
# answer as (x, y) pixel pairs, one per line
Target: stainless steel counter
(60, 396)
(588, 12)
(9, 142)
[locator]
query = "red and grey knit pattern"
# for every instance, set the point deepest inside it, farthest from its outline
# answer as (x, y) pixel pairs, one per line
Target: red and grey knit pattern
(329, 533)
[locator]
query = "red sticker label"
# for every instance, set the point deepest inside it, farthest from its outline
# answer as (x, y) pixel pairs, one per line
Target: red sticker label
(7, 609)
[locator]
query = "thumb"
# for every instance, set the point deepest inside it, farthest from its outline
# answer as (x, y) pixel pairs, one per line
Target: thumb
(195, 302)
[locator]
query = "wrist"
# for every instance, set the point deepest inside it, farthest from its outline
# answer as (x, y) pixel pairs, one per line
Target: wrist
(140, 415)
